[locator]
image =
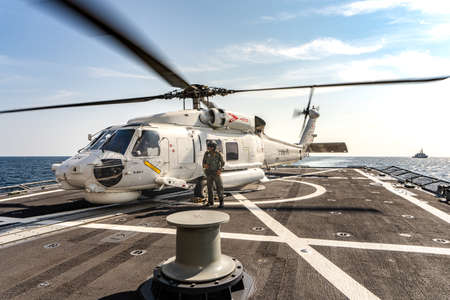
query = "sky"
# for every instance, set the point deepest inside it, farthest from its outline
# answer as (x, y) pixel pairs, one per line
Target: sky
(45, 60)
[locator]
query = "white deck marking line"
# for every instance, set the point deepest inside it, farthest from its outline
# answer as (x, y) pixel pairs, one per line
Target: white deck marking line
(31, 195)
(30, 233)
(341, 280)
(272, 238)
(432, 210)
(142, 229)
(300, 175)
(44, 219)
(7, 220)
(226, 235)
(47, 219)
(318, 172)
(379, 246)
(51, 226)
(62, 190)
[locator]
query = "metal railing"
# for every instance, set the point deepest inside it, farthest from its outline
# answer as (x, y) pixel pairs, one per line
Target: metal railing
(428, 183)
(27, 187)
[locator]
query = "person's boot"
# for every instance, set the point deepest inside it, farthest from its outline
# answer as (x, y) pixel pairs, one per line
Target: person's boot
(221, 203)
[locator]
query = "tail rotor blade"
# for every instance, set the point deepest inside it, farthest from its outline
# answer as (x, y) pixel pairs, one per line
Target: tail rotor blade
(297, 113)
(306, 110)
(309, 101)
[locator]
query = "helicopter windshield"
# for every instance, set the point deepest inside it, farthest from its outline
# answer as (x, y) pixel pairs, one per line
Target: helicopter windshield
(100, 140)
(119, 141)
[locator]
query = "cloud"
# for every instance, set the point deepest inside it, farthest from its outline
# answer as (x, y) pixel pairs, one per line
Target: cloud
(210, 66)
(440, 32)
(10, 77)
(5, 60)
(279, 17)
(316, 49)
(371, 6)
(405, 64)
(429, 7)
(103, 72)
(408, 64)
(62, 95)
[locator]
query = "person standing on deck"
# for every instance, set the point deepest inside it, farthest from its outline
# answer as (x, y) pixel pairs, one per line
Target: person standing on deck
(212, 166)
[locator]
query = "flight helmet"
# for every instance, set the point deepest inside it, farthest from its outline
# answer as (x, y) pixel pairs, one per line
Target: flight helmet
(211, 144)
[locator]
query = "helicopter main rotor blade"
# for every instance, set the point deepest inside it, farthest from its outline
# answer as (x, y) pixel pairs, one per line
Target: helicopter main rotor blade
(126, 39)
(105, 102)
(395, 81)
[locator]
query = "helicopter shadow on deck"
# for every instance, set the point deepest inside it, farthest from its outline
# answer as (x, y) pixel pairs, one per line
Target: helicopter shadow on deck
(28, 211)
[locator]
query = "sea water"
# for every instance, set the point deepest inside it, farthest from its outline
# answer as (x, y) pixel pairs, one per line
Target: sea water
(438, 167)
(17, 170)
(22, 169)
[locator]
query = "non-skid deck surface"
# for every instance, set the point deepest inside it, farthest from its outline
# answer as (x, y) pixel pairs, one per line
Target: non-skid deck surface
(327, 234)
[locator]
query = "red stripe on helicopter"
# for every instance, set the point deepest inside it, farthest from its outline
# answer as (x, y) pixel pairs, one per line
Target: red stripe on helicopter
(233, 117)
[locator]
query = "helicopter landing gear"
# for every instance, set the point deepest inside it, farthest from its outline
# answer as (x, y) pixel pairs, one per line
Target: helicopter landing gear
(201, 188)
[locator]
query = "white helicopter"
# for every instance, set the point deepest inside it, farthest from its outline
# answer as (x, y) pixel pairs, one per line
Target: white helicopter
(166, 150)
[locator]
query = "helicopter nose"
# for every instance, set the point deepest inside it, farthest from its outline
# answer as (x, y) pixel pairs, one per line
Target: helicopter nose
(74, 172)
(109, 172)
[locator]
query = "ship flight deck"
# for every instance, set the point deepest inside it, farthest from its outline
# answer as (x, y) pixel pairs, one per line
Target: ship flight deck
(306, 233)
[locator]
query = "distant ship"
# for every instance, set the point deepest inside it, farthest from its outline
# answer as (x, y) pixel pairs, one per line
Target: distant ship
(420, 154)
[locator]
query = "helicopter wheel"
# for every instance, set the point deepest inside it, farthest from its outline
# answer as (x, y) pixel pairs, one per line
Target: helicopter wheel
(201, 189)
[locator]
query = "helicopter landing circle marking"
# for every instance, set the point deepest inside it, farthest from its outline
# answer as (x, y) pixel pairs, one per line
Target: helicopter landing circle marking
(320, 190)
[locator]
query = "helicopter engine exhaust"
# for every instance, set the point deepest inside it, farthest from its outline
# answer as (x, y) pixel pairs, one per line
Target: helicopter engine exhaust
(219, 118)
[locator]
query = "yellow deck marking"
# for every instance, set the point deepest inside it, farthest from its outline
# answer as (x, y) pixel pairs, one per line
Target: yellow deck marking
(152, 167)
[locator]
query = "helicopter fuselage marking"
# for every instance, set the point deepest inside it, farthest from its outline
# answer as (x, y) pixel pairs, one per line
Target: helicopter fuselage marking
(233, 117)
(152, 167)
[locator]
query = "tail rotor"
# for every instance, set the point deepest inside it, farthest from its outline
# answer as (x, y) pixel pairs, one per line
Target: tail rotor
(305, 111)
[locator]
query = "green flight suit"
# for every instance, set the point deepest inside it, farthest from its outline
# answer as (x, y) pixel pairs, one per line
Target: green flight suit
(213, 162)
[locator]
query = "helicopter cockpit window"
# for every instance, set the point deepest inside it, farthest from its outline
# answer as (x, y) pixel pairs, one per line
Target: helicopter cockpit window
(218, 143)
(119, 141)
(232, 151)
(147, 144)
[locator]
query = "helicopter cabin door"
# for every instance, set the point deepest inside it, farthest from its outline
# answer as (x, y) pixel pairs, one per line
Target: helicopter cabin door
(185, 157)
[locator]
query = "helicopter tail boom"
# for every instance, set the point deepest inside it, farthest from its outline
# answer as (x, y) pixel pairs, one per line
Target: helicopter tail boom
(307, 134)
(327, 147)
